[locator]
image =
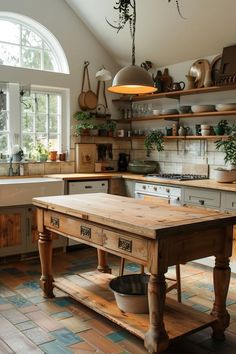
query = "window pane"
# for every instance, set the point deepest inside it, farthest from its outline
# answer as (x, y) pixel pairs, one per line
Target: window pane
(3, 121)
(28, 104)
(53, 126)
(9, 54)
(31, 58)
(41, 103)
(54, 142)
(4, 144)
(30, 39)
(27, 122)
(53, 104)
(9, 32)
(27, 143)
(49, 61)
(41, 123)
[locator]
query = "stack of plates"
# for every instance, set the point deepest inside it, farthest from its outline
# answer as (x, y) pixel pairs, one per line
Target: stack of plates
(225, 107)
(203, 108)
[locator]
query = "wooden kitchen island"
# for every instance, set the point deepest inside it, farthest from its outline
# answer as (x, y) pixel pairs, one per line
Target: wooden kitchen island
(156, 236)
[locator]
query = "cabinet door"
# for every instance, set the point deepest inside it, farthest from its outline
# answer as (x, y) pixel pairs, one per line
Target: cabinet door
(129, 188)
(12, 231)
(32, 237)
(117, 186)
(202, 197)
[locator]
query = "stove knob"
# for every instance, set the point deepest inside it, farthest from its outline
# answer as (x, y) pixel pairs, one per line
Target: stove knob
(155, 189)
(144, 187)
(167, 190)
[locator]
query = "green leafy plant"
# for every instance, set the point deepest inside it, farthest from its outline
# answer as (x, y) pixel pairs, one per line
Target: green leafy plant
(40, 151)
(85, 121)
(228, 146)
(111, 125)
(154, 140)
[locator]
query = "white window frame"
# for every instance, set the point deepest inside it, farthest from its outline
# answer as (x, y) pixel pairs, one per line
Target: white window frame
(14, 107)
(46, 36)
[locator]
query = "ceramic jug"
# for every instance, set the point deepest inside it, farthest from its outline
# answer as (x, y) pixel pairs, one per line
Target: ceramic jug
(177, 86)
(182, 131)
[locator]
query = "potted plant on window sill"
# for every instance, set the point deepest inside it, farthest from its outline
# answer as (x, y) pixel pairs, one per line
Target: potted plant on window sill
(41, 152)
(229, 148)
(154, 140)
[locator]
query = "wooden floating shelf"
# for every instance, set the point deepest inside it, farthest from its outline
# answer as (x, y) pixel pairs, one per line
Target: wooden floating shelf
(187, 115)
(189, 137)
(91, 289)
(175, 94)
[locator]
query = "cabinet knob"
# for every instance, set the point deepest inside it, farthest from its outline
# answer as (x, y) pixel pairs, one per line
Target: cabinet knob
(201, 202)
(144, 187)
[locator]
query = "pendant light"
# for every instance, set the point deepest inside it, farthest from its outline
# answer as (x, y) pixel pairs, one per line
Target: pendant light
(132, 79)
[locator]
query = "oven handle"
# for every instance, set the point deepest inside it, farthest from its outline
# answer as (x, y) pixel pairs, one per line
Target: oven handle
(171, 199)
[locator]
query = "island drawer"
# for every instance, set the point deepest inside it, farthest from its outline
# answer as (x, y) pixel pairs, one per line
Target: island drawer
(124, 244)
(202, 197)
(74, 227)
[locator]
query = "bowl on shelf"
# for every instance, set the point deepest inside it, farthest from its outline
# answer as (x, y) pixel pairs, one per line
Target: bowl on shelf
(131, 292)
(221, 107)
(202, 108)
(156, 112)
(184, 109)
(142, 166)
(169, 111)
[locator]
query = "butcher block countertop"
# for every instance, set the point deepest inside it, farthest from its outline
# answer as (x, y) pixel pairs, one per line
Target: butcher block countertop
(143, 219)
(209, 183)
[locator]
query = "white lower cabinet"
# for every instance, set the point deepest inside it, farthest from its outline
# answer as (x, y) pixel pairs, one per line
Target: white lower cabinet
(202, 197)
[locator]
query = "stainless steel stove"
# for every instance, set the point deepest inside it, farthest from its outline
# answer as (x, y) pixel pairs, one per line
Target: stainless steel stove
(176, 176)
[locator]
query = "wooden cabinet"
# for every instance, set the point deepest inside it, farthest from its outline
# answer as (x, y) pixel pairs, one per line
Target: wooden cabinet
(12, 230)
(117, 186)
(18, 231)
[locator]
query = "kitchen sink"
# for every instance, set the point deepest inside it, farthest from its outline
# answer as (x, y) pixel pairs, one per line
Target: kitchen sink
(20, 191)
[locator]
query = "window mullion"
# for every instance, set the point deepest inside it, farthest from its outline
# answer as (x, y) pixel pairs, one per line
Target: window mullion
(14, 115)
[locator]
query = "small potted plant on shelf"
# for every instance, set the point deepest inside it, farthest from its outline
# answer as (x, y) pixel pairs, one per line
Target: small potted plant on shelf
(222, 127)
(154, 140)
(111, 127)
(85, 123)
(228, 146)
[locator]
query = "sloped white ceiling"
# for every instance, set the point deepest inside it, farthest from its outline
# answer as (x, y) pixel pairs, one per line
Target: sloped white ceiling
(162, 36)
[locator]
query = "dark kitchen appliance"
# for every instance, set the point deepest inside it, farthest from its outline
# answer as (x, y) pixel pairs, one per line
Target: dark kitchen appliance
(123, 162)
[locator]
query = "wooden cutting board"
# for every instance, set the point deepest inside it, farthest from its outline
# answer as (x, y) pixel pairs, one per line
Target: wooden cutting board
(85, 157)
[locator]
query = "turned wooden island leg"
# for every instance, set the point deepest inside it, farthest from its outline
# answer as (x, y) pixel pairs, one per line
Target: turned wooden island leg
(103, 267)
(156, 339)
(221, 278)
(45, 253)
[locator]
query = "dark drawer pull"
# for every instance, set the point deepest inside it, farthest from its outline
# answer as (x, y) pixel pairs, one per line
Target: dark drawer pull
(125, 245)
(85, 231)
(201, 202)
(55, 222)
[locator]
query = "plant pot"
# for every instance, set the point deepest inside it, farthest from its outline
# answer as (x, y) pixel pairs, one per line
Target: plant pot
(219, 130)
(225, 176)
(43, 157)
(93, 132)
(53, 155)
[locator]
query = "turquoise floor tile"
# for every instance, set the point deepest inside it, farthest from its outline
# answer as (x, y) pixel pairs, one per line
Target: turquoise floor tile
(63, 314)
(54, 347)
(66, 336)
(63, 302)
(26, 325)
(201, 308)
(19, 301)
(3, 301)
(116, 336)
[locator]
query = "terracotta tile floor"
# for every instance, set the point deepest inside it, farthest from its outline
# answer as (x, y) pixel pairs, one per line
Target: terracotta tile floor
(31, 324)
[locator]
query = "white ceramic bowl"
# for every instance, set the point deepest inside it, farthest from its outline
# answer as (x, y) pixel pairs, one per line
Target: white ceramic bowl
(156, 112)
(205, 132)
(203, 108)
(225, 107)
(205, 126)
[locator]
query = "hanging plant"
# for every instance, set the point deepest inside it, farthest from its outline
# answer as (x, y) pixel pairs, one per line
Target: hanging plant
(154, 140)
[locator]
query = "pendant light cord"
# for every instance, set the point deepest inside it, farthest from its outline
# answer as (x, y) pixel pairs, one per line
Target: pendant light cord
(133, 32)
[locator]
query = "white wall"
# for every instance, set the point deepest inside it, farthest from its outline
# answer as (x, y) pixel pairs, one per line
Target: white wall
(78, 43)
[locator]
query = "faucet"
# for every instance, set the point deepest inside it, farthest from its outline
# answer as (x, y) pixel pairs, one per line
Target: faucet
(10, 170)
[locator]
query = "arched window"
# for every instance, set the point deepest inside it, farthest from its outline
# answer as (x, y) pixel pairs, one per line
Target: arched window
(27, 44)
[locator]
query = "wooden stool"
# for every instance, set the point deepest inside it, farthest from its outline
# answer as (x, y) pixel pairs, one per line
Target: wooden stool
(177, 281)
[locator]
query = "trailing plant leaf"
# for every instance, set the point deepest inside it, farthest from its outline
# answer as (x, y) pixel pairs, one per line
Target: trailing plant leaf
(154, 140)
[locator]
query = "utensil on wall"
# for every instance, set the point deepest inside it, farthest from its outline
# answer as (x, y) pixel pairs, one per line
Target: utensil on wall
(87, 99)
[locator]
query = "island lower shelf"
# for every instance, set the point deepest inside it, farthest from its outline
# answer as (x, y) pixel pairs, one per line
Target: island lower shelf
(91, 289)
